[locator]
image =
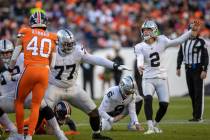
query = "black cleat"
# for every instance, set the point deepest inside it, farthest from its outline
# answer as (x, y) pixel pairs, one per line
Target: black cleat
(98, 136)
(196, 120)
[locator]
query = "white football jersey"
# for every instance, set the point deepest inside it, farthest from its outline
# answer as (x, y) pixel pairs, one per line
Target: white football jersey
(8, 87)
(151, 57)
(65, 72)
(113, 102)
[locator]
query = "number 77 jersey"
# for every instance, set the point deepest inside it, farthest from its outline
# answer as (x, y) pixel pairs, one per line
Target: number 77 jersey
(38, 45)
(65, 72)
(151, 57)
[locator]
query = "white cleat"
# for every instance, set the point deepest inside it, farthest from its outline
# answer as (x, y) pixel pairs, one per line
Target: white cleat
(149, 131)
(15, 136)
(28, 137)
(157, 130)
(61, 136)
(131, 127)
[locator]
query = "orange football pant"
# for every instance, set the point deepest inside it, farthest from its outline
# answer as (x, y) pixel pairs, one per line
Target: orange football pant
(34, 79)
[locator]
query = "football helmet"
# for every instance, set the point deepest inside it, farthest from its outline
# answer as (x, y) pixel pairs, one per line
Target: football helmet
(62, 110)
(38, 19)
(66, 41)
(149, 24)
(6, 49)
(127, 86)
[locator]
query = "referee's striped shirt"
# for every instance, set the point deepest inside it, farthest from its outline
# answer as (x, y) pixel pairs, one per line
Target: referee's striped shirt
(193, 51)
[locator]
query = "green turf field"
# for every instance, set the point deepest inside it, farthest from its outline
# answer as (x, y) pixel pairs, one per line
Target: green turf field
(174, 125)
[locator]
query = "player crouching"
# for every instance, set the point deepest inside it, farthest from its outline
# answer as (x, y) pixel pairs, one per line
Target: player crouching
(118, 102)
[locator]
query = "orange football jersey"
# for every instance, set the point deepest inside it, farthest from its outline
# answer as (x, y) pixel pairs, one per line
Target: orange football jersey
(38, 45)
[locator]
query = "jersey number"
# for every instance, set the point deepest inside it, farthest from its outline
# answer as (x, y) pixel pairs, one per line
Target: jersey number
(117, 110)
(61, 69)
(155, 59)
(33, 46)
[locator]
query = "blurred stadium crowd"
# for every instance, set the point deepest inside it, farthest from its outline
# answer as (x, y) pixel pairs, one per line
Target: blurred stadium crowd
(106, 23)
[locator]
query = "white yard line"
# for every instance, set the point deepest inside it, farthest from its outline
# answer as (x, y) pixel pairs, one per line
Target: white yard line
(205, 122)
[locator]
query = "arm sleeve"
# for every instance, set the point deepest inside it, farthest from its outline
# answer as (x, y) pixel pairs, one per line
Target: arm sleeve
(204, 57)
(53, 59)
(179, 40)
(105, 104)
(139, 57)
(15, 55)
(179, 57)
(96, 60)
(132, 112)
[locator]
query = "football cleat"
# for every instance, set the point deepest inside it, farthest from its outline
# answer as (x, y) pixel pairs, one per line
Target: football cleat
(157, 130)
(28, 137)
(149, 131)
(15, 136)
(98, 136)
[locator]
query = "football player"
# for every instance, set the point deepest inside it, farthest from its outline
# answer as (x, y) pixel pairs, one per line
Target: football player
(7, 85)
(62, 111)
(39, 47)
(118, 102)
(150, 54)
(62, 81)
(7, 90)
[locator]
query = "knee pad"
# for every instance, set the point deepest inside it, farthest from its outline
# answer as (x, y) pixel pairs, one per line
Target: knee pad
(1, 112)
(94, 113)
(147, 99)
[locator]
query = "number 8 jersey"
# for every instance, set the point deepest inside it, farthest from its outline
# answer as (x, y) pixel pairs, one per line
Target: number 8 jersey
(37, 45)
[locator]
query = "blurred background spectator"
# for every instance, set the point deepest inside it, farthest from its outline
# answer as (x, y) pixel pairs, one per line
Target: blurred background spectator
(88, 76)
(104, 23)
(117, 74)
(101, 24)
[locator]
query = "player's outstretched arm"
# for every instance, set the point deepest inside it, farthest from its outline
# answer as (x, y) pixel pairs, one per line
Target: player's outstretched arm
(97, 60)
(15, 53)
(52, 59)
(175, 42)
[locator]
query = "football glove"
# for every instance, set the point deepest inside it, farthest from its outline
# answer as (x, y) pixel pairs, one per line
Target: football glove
(120, 67)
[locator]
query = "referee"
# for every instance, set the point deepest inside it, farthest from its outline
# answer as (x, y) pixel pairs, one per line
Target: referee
(194, 54)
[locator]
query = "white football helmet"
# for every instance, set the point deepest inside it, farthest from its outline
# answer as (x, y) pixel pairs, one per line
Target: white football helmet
(6, 49)
(66, 41)
(127, 86)
(149, 24)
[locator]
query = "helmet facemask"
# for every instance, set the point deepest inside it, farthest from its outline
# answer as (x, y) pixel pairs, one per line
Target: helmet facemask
(6, 50)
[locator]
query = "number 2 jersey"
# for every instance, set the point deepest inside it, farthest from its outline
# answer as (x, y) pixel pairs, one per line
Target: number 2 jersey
(151, 57)
(37, 45)
(114, 104)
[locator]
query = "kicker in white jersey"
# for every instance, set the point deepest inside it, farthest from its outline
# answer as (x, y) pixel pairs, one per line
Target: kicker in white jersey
(152, 56)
